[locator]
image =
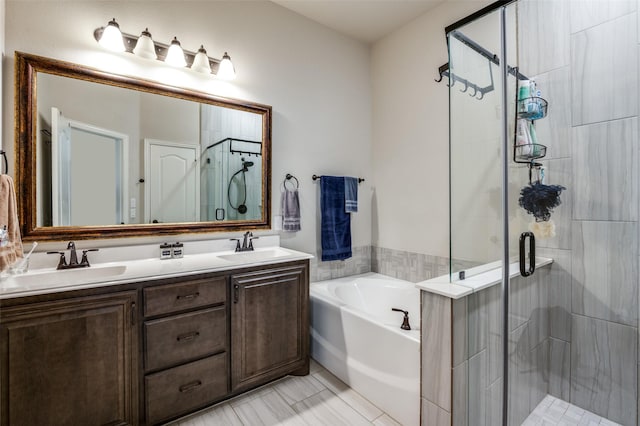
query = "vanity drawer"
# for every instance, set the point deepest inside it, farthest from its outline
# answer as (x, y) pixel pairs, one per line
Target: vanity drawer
(169, 298)
(179, 390)
(183, 337)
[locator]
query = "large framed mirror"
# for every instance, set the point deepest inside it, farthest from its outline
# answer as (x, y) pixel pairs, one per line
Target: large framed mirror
(101, 155)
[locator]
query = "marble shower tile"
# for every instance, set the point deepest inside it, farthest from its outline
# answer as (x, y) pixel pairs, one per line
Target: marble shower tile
(494, 403)
(520, 367)
(460, 339)
(461, 390)
(589, 13)
(558, 172)
(605, 271)
(604, 368)
(478, 325)
(432, 415)
(559, 295)
(605, 172)
(560, 369)
(477, 401)
(554, 130)
(544, 45)
(596, 53)
(436, 349)
(539, 377)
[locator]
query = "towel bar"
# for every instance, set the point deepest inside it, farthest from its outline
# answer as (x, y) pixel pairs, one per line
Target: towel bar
(316, 177)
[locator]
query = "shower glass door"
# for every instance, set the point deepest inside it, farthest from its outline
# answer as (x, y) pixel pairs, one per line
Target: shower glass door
(562, 346)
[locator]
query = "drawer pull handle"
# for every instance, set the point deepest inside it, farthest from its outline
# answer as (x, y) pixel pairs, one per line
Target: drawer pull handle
(188, 336)
(188, 296)
(190, 386)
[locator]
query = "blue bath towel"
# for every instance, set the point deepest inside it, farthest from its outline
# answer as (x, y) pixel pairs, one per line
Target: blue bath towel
(336, 223)
(351, 194)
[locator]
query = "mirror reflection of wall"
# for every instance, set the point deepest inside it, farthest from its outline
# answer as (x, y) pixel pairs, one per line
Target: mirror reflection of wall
(231, 174)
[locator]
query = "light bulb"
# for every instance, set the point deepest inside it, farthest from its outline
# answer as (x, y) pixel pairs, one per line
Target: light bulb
(145, 47)
(112, 37)
(225, 69)
(175, 55)
(201, 62)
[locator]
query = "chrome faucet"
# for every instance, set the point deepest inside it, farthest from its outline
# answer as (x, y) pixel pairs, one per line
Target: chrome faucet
(247, 242)
(73, 257)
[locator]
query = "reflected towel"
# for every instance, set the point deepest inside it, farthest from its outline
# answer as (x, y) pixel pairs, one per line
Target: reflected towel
(336, 223)
(290, 204)
(351, 195)
(10, 252)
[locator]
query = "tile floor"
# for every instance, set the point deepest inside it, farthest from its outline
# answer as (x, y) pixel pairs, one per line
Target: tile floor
(317, 399)
(553, 411)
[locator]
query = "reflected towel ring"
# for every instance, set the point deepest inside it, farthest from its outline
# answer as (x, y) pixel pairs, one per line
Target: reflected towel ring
(288, 178)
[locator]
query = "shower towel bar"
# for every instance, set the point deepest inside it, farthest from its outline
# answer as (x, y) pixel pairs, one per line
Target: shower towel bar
(316, 177)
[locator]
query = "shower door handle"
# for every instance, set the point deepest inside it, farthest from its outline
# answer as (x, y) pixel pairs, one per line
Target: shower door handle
(532, 254)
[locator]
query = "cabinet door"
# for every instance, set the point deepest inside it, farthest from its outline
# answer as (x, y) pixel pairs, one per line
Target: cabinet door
(269, 325)
(70, 362)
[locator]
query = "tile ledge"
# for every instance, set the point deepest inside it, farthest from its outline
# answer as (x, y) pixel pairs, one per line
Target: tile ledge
(443, 286)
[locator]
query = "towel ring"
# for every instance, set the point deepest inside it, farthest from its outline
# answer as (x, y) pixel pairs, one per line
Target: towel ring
(288, 178)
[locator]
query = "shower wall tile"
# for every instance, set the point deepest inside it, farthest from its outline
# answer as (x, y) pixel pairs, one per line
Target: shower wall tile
(494, 403)
(559, 288)
(554, 130)
(432, 415)
(596, 54)
(558, 172)
(409, 266)
(589, 13)
(604, 368)
(605, 271)
(528, 306)
(560, 368)
(358, 263)
(544, 44)
(521, 367)
(477, 404)
(436, 349)
(460, 412)
(605, 158)
(460, 337)
(477, 322)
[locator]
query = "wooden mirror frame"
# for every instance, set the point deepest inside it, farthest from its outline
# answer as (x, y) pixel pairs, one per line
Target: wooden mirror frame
(26, 68)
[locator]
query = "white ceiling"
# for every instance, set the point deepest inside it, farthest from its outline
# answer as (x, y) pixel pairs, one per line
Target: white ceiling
(365, 20)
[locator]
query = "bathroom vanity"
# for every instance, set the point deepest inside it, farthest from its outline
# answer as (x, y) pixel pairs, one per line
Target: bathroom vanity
(151, 349)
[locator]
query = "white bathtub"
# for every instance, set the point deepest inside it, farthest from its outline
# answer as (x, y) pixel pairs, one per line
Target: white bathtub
(356, 336)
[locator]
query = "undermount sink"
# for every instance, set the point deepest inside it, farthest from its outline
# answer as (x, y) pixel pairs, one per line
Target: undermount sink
(68, 276)
(255, 256)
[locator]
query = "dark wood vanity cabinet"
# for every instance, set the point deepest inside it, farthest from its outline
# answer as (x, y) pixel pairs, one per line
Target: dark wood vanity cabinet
(70, 361)
(186, 346)
(150, 352)
(269, 325)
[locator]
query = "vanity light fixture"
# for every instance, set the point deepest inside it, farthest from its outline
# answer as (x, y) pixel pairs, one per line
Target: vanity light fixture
(226, 70)
(143, 46)
(201, 62)
(111, 37)
(175, 55)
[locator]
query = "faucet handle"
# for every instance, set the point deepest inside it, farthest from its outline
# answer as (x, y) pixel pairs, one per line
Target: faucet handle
(251, 238)
(85, 259)
(237, 240)
(63, 261)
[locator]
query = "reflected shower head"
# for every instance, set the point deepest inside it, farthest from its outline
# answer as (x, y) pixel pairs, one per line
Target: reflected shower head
(247, 163)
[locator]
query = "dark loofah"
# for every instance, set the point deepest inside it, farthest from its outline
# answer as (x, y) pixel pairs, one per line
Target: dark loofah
(540, 200)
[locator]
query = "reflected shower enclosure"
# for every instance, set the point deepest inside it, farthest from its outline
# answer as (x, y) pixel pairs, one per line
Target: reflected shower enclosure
(231, 172)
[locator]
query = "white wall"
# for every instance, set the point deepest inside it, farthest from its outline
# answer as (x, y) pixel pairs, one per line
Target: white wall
(410, 133)
(317, 81)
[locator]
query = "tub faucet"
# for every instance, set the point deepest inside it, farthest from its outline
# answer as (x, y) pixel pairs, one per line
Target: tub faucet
(405, 323)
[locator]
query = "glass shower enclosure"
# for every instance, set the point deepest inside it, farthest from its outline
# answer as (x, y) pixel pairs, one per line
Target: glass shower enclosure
(544, 196)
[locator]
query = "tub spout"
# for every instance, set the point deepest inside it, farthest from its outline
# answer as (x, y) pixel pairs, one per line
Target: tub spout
(405, 323)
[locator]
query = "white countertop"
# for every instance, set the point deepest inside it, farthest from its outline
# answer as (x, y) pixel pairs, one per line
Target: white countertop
(108, 269)
(479, 278)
